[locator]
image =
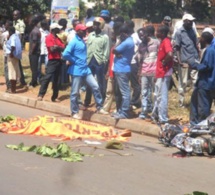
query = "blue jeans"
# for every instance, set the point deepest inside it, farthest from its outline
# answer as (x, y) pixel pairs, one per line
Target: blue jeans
(160, 109)
(75, 87)
(147, 85)
(122, 93)
(200, 105)
(99, 71)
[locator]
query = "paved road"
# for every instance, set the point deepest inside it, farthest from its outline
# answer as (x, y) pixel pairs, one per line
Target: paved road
(149, 170)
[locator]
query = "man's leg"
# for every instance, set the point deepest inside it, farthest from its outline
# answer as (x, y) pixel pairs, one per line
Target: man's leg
(123, 82)
(34, 61)
(109, 95)
(47, 78)
(7, 81)
(100, 75)
(118, 95)
(182, 82)
(91, 82)
(194, 107)
(75, 86)
(157, 98)
(56, 77)
(146, 93)
(22, 78)
(163, 103)
(204, 104)
(135, 85)
(88, 95)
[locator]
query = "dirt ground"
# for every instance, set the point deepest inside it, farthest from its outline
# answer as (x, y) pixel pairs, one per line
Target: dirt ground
(176, 114)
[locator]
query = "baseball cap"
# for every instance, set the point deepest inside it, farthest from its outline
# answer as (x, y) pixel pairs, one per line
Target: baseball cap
(167, 18)
(55, 25)
(188, 17)
(210, 30)
(80, 27)
(105, 13)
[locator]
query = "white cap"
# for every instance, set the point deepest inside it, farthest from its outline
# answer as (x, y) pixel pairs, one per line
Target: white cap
(89, 24)
(55, 25)
(207, 29)
(188, 17)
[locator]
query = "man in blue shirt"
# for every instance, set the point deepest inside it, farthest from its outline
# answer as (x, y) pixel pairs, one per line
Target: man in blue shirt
(14, 54)
(201, 99)
(76, 54)
(124, 52)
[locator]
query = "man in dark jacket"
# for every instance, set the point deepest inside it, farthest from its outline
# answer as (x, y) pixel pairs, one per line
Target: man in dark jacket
(201, 99)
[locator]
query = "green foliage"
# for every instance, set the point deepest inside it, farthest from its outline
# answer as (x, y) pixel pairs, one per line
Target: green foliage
(82, 8)
(62, 151)
(154, 10)
(200, 9)
(27, 7)
(7, 118)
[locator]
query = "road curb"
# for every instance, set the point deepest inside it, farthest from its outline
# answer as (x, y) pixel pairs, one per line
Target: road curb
(135, 125)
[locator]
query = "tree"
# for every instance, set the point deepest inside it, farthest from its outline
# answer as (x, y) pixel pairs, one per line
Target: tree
(155, 10)
(26, 7)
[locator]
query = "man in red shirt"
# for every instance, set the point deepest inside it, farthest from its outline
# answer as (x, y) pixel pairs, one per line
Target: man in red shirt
(55, 46)
(163, 75)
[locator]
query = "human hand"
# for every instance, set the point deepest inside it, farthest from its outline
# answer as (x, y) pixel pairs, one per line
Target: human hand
(11, 55)
(68, 63)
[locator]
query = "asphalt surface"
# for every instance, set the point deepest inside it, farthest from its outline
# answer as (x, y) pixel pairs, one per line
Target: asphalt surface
(144, 167)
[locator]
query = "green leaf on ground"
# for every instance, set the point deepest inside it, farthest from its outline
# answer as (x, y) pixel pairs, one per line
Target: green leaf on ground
(62, 151)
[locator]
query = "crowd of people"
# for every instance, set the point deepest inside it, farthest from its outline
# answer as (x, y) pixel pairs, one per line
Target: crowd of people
(112, 62)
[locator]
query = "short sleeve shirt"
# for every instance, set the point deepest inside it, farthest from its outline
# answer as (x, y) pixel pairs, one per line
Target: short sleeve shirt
(14, 41)
(35, 38)
(164, 48)
(126, 49)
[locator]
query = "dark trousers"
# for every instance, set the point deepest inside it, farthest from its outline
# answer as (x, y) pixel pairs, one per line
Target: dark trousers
(99, 71)
(200, 105)
(135, 85)
(22, 78)
(52, 71)
(34, 63)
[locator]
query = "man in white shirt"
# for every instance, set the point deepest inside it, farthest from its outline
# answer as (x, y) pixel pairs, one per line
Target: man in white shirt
(43, 49)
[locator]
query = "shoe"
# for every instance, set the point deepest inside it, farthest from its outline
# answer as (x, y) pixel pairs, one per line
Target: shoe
(141, 117)
(134, 107)
(82, 107)
(25, 87)
(163, 122)
(55, 100)
(39, 98)
(114, 114)
(102, 111)
(120, 116)
(76, 116)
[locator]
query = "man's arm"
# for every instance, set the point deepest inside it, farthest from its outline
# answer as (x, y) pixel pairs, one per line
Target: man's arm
(68, 52)
(168, 58)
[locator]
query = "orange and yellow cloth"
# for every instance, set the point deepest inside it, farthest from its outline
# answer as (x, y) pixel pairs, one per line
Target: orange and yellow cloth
(63, 129)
